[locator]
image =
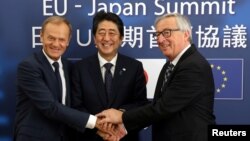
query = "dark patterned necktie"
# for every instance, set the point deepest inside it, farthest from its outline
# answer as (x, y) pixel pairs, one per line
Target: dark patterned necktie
(108, 79)
(59, 81)
(167, 74)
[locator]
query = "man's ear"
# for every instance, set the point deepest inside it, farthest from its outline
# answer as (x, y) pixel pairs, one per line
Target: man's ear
(41, 37)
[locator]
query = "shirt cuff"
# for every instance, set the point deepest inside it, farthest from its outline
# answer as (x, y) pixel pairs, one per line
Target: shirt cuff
(91, 122)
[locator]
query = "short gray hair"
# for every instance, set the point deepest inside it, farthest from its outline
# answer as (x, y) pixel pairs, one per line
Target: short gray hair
(183, 22)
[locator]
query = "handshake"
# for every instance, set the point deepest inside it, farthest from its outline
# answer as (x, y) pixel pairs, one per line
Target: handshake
(110, 126)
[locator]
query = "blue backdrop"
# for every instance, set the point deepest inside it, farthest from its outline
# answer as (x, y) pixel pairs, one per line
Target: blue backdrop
(220, 31)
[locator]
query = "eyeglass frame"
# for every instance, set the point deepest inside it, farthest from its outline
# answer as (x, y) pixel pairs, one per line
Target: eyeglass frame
(166, 33)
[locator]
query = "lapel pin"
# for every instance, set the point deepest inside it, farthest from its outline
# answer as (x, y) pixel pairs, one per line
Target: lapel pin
(121, 71)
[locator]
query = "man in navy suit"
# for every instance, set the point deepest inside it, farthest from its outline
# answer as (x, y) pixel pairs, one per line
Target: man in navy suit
(182, 107)
(128, 89)
(42, 112)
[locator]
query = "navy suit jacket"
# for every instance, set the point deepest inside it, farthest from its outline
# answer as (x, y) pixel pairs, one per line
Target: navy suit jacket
(128, 91)
(184, 108)
(39, 115)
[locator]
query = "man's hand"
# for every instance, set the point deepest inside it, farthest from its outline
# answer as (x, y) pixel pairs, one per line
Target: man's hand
(106, 131)
(112, 132)
(109, 124)
(110, 116)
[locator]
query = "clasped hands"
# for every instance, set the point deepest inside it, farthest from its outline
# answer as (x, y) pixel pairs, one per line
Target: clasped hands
(110, 126)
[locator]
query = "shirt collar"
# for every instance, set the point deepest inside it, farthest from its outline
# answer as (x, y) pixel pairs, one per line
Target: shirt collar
(177, 58)
(103, 61)
(52, 61)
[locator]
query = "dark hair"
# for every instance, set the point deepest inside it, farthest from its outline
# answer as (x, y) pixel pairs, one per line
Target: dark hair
(102, 15)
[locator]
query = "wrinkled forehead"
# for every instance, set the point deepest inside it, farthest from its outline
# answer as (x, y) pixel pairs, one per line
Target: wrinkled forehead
(166, 23)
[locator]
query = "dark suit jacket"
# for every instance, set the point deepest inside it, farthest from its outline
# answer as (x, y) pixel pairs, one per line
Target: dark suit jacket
(128, 92)
(39, 115)
(184, 109)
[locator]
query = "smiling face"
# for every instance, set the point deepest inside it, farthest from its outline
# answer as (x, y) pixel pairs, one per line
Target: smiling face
(55, 39)
(178, 40)
(107, 39)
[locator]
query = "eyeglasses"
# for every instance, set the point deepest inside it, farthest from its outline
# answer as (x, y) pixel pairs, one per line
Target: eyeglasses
(165, 33)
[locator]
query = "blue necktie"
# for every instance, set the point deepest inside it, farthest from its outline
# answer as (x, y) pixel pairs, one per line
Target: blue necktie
(167, 74)
(108, 80)
(59, 81)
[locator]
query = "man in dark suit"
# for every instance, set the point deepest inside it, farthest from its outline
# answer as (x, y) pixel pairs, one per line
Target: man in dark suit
(42, 100)
(128, 88)
(182, 107)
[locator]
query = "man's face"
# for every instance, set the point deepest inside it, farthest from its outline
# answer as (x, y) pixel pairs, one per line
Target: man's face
(107, 39)
(55, 39)
(170, 46)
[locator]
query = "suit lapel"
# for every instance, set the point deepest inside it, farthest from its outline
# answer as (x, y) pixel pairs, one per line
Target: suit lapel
(95, 72)
(49, 72)
(118, 78)
(160, 81)
(44, 61)
(190, 51)
(158, 92)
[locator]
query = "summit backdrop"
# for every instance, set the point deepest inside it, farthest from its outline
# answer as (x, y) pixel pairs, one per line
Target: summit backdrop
(220, 32)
